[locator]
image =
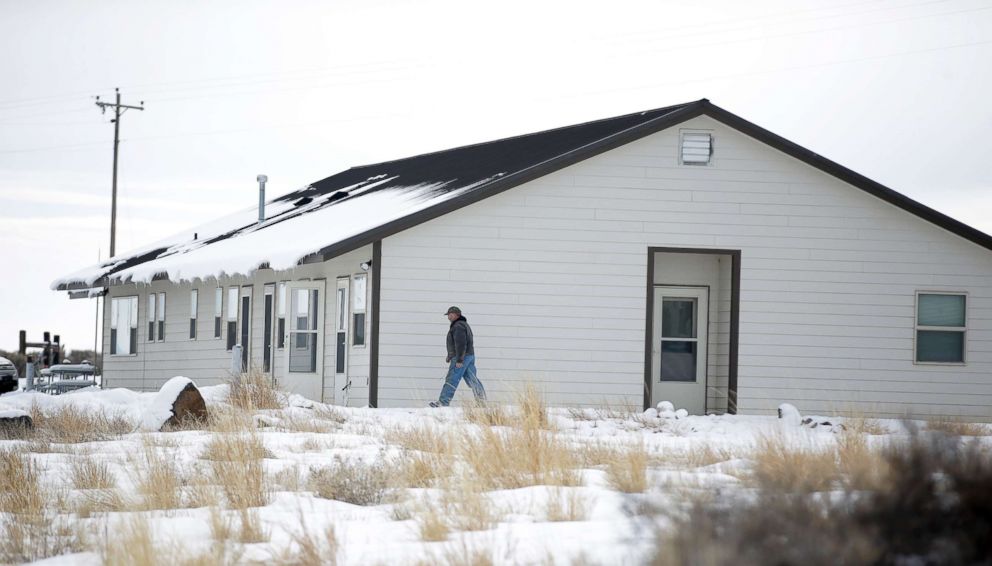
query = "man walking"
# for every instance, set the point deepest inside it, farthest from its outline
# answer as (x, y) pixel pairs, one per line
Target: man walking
(461, 360)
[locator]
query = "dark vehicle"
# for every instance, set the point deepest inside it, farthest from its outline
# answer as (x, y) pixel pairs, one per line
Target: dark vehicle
(8, 376)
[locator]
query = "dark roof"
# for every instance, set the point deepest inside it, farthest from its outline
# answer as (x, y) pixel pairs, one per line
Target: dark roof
(474, 172)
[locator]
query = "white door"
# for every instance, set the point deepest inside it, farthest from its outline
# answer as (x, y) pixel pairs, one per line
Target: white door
(678, 347)
(303, 366)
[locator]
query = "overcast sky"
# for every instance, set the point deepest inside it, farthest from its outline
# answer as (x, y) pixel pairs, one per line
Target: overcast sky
(897, 90)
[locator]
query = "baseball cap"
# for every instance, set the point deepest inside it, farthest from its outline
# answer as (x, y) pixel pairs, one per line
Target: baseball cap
(453, 309)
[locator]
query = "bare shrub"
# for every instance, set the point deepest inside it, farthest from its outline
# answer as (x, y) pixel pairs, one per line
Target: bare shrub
(354, 482)
(933, 507)
(627, 471)
(254, 390)
(89, 474)
(236, 463)
(289, 479)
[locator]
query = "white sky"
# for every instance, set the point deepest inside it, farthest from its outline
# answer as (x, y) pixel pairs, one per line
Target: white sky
(897, 90)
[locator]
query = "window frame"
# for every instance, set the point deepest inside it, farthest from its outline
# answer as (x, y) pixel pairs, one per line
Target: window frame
(917, 327)
(160, 317)
(355, 311)
(194, 308)
(233, 292)
(152, 313)
(133, 317)
(218, 313)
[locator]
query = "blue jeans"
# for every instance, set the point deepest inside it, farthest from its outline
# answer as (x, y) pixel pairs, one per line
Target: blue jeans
(455, 375)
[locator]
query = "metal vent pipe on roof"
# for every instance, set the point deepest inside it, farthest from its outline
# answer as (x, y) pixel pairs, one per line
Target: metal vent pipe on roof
(261, 197)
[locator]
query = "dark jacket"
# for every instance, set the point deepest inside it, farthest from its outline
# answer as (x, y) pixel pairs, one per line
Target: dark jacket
(460, 341)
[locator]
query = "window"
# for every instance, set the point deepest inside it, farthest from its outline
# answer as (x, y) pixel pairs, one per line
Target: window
(696, 148)
(358, 289)
(218, 310)
(232, 317)
(161, 317)
(941, 325)
(192, 314)
(123, 326)
(281, 315)
(151, 317)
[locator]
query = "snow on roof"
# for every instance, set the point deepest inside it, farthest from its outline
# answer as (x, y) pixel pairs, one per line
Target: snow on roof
(348, 204)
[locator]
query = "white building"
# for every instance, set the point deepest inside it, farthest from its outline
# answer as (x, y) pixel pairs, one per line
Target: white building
(681, 253)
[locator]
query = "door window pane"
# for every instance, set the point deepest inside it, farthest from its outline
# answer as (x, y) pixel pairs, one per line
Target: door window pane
(303, 357)
(678, 360)
(678, 318)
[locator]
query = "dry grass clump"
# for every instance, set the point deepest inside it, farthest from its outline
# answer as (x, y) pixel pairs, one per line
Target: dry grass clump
(792, 466)
(566, 504)
(236, 463)
(425, 438)
(512, 458)
(253, 390)
(354, 482)
(958, 428)
(229, 419)
(488, 415)
(533, 409)
(431, 524)
(859, 465)
(864, 425)
(70, 424)
(424, 469)
(20, 484)
(158, 479)
(89, 474)
(310, 548)
(627, 471)
(243, 526)
(466, 506)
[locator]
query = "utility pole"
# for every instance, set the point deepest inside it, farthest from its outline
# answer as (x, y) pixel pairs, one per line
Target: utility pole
(119, 109)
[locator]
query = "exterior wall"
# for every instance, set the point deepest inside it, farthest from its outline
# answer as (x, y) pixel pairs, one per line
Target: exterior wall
(552, 277)
(206, 359)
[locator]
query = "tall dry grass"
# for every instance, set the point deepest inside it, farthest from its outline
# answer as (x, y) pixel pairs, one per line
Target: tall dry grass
(253, 390)
(512, 458)
(87, 473)
(565, 505)
(791, 464)
(236, 462)
(31, 530)
(958, 427)
(310, 548)
(627, 470)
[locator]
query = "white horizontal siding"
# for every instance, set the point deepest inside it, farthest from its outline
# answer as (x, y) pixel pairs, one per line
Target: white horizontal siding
(551, 275)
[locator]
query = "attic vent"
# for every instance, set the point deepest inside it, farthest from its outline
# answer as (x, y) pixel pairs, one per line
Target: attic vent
(337, 196)
(697, 148)
(302, 201)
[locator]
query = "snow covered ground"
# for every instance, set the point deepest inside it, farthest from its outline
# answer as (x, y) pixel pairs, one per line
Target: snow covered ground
(311, 483)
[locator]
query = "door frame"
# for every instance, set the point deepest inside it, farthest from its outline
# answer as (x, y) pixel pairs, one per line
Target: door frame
(268, 350)
(735, 308)
(342, 324)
